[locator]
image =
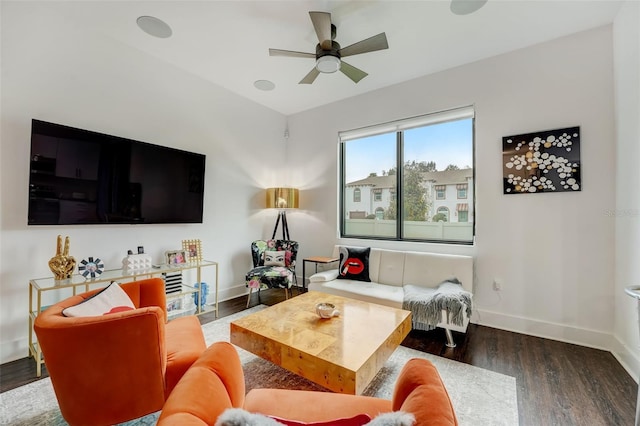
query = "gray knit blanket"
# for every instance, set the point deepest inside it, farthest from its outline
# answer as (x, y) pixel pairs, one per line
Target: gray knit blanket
(427, 304)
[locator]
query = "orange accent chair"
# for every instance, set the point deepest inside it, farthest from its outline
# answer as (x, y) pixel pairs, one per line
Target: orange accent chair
(215, 382)
(120, 366)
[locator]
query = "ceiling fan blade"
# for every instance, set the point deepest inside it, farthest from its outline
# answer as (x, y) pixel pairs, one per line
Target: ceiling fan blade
(352, 72)
(371, 44)
(291, 53)
(311, 77)
(322, 25)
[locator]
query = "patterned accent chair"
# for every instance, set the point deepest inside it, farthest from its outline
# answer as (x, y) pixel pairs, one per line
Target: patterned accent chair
(274, 266)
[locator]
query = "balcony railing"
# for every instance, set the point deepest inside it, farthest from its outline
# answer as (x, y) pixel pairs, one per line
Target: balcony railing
(449, 231)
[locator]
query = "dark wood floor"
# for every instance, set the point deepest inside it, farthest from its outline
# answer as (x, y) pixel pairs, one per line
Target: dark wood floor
(558, 383)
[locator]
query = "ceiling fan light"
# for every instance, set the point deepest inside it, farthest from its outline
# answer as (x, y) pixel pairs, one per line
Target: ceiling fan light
(328, 64)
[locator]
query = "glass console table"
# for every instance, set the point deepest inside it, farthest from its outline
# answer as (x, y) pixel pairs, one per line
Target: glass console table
(56, 290)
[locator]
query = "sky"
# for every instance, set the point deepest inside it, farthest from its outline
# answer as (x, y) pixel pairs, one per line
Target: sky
(445, 143)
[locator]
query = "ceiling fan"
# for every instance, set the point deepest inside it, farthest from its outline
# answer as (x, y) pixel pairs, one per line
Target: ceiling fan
(329, 54)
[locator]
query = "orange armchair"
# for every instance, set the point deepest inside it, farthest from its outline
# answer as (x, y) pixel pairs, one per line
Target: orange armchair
(120, 366)
(216, 382)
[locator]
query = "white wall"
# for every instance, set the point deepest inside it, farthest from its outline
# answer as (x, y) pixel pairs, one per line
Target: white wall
(626, 37)
(553, 252)
(54, 73)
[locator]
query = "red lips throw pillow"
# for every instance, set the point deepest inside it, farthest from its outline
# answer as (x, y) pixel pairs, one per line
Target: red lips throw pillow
(354, 263)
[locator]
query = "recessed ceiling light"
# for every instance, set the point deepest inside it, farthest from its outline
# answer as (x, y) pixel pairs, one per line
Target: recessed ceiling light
(465, 7)
(154, 26)
(265, 85)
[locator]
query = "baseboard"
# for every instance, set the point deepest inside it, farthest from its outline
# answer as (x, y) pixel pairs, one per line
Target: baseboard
(548, 330)
(238, 291)
(574, 335)
(232, 292)
(626, 358)
(14, 350)
(18, 349)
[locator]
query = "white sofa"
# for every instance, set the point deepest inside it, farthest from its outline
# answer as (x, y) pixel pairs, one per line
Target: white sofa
(391, 270)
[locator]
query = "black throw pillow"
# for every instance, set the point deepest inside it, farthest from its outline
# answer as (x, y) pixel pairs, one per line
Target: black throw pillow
(354, 263)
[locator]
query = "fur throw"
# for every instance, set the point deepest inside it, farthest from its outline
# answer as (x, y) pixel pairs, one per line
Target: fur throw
(426, 304)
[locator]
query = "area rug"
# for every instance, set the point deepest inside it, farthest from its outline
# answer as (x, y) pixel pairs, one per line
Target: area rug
(479, 397)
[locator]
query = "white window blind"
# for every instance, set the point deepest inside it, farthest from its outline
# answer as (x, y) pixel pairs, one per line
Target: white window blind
(408, 123)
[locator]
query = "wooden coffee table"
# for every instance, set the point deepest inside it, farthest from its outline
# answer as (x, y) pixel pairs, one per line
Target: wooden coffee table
(342, 353)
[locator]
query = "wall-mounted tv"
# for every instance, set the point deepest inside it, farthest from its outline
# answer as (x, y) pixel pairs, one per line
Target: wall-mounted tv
(84, 177)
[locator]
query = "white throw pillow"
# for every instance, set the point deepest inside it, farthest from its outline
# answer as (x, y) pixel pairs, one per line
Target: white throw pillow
(274, 258)
(109, 300)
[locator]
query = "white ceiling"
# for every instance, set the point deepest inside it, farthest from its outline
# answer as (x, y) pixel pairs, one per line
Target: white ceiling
(227, 42)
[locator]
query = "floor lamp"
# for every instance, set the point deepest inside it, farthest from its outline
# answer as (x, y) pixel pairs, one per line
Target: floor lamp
(282, 199)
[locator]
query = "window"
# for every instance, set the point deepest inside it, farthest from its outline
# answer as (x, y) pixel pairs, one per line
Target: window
(356, 195)
(462, 190)
(409, 165)
(462, 211)
(442, 214)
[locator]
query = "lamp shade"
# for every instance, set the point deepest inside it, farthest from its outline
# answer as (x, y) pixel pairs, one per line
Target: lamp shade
(282, 198)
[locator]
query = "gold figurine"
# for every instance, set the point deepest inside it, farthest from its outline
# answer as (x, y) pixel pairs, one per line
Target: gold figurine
(62, 264)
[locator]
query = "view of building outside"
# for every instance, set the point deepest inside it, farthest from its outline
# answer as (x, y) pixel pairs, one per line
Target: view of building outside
(437, 185)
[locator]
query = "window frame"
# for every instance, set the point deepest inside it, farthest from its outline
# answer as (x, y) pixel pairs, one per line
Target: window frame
(462, 187)
(467, 112)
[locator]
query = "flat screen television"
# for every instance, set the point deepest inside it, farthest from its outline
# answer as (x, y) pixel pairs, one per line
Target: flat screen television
(83, 177)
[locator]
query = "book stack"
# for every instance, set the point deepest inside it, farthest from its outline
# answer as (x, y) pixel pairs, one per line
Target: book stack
(172, 282)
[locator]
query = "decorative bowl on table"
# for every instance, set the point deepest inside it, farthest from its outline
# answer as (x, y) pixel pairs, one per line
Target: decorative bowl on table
(327, 310)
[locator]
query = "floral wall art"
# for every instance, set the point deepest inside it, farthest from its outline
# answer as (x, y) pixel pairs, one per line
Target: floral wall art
(545, 161)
